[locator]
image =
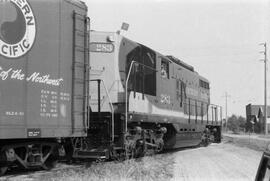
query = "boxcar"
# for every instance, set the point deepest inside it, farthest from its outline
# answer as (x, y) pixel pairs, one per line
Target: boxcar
(43, 70)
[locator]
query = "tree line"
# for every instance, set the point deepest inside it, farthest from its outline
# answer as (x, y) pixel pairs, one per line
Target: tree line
(236, 124)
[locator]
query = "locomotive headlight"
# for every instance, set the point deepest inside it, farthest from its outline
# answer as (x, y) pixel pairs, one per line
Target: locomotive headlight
(110, 38)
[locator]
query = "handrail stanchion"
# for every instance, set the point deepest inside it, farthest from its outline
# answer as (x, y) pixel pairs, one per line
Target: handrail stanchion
(126, 87)
(221, 116)
(98, 96)
(189, 110)
(126, 111)
(111, 105)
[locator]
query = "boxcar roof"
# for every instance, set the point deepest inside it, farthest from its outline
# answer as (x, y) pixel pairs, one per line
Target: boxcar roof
(78, 3)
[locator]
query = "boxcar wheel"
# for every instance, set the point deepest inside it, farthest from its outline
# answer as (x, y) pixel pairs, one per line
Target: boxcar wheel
(50, 158)
(3, 170)
(50, 163)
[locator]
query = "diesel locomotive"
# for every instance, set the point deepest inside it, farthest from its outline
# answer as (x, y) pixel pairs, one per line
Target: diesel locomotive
(68, 91)
(145, 101)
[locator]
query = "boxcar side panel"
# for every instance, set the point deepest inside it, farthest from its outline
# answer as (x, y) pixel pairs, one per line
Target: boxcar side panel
(35, 87)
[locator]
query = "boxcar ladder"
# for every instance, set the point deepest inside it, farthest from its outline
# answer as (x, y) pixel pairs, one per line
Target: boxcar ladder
(80, 70)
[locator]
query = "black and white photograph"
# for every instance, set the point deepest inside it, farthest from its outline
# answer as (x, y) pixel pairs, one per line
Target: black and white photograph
(134, 90)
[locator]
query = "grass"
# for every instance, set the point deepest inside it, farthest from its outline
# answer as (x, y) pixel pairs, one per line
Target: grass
(158, 167)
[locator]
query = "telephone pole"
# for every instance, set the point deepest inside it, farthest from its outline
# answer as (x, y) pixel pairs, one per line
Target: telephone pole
(226, 109)
(265, 87)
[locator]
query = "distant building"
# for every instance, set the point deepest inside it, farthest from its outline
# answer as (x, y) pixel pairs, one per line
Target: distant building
(255, 118)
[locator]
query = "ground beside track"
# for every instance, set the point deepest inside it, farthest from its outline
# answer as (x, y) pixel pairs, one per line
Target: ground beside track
(253, 141)
(223, 161)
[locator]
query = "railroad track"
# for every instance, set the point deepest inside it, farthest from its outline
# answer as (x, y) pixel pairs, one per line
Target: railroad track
(217, 162)
(26, 175)
(16, 174)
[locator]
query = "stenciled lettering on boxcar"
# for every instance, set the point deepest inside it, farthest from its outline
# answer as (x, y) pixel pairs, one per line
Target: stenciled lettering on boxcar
(49, 103)
(17, 28)
(45, 79)
(33, 132)
(36, 77)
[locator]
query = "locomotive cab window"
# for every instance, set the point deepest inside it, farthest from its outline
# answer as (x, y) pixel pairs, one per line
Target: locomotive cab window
(149, 71)
(164, 71)
(143, 74)
(135, 83)
(204, 84)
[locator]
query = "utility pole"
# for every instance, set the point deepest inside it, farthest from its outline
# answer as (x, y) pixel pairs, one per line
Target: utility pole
(226, 109)
(265, 87)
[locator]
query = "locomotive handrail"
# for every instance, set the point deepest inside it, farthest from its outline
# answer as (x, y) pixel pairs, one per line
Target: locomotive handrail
(109, 90)
(126, 87)
(214, 110)
(110, 103)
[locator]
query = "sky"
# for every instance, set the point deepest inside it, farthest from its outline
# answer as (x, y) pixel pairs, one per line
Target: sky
(220, 39)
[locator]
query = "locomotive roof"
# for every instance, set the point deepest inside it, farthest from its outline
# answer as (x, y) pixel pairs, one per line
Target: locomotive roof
(169, 57)
(173, 59)
(181, 63)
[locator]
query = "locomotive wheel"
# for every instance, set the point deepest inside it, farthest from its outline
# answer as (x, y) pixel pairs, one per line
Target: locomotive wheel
(139, 151)
(205, 143)
(130, 152)
(121, 156)
(159, 148)
(3, 170)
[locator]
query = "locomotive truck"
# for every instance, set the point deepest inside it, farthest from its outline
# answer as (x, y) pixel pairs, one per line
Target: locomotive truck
(68, 91)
